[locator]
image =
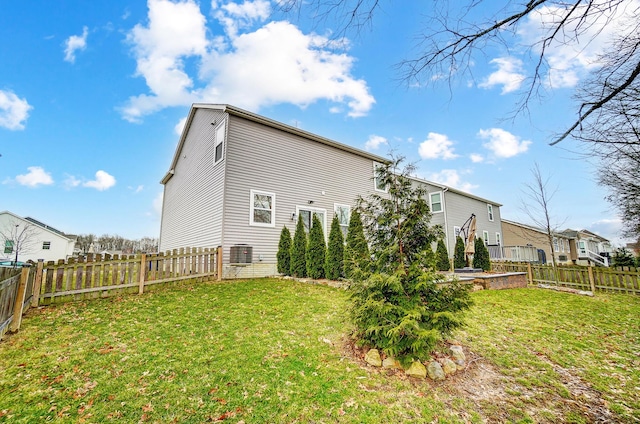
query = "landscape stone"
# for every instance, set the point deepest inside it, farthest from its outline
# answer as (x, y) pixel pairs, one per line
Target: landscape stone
(390, 362)
(416, 370)
(435, 371)
(448, 366)
(373, 358)
(458, 354)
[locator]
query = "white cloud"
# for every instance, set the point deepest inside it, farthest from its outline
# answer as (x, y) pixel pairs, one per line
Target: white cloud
(157, 203)
(14, 111)
(502, 143)
(452, 178)
(374, 142)
(180, 126)
(611, 229)
(253, 65)
(476, 158)
(568, 57)
(137, 189)
(509, 75)
(102, 182)
(71, 182)
(75, 43)
(35, 177)
(437, 146)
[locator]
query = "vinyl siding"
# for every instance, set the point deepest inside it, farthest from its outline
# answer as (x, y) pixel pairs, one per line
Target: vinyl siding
(459, 208)
(193, 197)
(296, 170)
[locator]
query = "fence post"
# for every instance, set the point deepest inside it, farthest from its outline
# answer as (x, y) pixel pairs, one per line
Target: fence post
(530, 273)
(219, 262)
(37, 284)
(591, 280)
(17, 307)
(143, 268)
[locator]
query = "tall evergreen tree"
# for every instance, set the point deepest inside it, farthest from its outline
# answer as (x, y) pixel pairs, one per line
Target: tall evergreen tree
(299, 251)
(481, 255)
(333, 268)
(316, 250)
(398, 307)
(284, 252)
(356, 251)
(459, 257)
(442, 257)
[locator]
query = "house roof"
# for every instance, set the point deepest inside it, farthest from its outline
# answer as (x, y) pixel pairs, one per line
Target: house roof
(232, 110)
(453, 190)
(40, 225)
(532, 228)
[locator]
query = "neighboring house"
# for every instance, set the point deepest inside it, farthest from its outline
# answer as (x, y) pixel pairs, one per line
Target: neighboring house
(531, 244)
(238, 178)
(589, 248)
(34, 240)
(525, 243)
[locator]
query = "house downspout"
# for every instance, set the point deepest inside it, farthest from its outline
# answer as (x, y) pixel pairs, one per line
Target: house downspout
(444, 210)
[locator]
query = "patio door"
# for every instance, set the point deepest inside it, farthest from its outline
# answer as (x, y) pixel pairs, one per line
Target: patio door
(307, 213)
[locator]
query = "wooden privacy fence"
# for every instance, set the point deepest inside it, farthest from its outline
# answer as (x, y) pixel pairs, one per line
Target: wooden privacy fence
(102, 276)
(16, 294)
(578, 277)
(98, 276)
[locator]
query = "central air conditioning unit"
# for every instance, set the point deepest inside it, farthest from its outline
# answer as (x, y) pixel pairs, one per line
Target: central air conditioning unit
(241, 254)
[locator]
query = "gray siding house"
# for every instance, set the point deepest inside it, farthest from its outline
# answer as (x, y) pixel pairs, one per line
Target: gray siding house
(237, 178)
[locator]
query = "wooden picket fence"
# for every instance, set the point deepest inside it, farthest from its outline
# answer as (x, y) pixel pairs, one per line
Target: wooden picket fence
(595, 279)
(100, 276)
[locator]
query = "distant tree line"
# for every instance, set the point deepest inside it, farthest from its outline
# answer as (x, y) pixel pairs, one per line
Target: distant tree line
(115, 243)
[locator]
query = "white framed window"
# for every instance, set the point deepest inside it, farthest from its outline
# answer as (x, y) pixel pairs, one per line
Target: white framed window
(343, 212)
(490, 211)
(485, 237)
(46, 245)
(263, 209)
(8, 246)
(498, 238)
(456, 231)
(556, 247)
(219, 143)
(307, 213)
(435, 202)
(378, 185)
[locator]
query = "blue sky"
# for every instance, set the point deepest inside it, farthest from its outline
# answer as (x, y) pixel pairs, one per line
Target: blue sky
(93, 95)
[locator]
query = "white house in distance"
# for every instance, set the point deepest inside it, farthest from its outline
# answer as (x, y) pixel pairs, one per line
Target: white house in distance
(34, 239)
(237, 178)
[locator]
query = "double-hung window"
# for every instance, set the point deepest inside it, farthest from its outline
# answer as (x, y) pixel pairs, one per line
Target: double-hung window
(8, 246)
(46, 245)
(456, 231)
(378, 184)
(498, 239)
(219, 143)
(435, 199)
(490, 211)
(485, 237)
(343, 212)
(263, 209)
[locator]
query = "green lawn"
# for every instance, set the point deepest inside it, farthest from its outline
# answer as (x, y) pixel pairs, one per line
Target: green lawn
(273, 351)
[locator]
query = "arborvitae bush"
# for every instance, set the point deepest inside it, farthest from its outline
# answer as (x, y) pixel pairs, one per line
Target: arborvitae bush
(481, 255)
(335, 252)
(442, 257)
(356, 250)
(299, 251)
(316, 249)
(284, 252)
(459, 257)
(398, 306)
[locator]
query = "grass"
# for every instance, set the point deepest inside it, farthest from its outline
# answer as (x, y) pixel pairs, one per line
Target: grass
(272, 351)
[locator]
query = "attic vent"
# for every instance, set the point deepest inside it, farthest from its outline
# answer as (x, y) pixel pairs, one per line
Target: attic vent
(241, 254)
